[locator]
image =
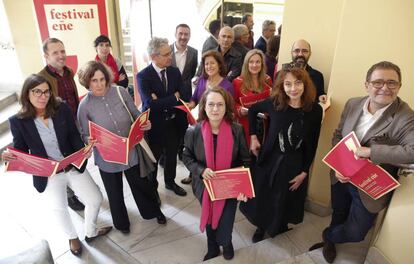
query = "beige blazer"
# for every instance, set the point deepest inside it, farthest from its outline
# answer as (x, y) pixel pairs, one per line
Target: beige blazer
(391, 139)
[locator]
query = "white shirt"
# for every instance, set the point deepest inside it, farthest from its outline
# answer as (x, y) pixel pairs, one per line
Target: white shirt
(366, 120)
(180, 58)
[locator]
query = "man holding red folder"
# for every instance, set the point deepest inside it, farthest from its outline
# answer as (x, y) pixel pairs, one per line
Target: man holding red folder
(384, 124)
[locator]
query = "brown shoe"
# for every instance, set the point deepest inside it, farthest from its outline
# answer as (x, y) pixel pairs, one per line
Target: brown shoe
(75, 246)
(101, 232)
(186, 180)
(329, 250)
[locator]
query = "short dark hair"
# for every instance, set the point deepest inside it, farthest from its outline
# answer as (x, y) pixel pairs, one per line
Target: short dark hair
(220, 60)
(280, 98)
(245, 17)
(228, 100)
(214, 26)
(48, 41)
(384, 65)
(28, 110)
(182, 25)
(101, 39)
(88, 70)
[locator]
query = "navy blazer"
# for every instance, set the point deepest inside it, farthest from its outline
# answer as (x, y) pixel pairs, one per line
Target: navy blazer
(26, 138)
(149, 82)
(261, 44)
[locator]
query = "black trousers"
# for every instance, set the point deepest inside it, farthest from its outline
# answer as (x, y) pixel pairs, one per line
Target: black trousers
(143, 191)
(223, 234)
(169, 147)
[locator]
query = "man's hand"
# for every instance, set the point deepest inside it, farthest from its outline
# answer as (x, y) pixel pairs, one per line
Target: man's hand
(177, 95)
(122, 76)
(254, 145)
(242, 197)
(362, 153)
(154, 96)
(323, 98)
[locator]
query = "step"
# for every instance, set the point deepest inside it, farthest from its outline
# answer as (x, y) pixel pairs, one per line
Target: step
(6, 139)
(7, 112)
(7, 98)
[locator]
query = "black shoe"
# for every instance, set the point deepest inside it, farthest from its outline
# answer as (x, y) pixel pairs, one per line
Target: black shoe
(258, 235)
(75, 204)
(316, 246)
(125, 231)
(212, 253)
(161, 219)
(101, 232)
(176, 189)
(187, 180)
(77, 252)
(329, 250)
(228, 251)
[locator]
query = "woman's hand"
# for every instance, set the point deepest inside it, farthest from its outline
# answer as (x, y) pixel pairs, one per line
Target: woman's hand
(242, 197)
(122, 76)
(323, 98)
(254, 145)
(7, 156)
(297, 181)
(91, 141)
(154, 96)
(244, 111)
(88, 151)
(208, 174)
(362, 153)
(342, 178)
(146, 126)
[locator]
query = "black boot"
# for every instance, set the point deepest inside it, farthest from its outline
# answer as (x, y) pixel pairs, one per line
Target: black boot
(228, 251)
(212, 252)
(213, 249)
(258, 235)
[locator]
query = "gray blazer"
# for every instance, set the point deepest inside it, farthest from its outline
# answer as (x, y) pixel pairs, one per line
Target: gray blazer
(191, 62)
(391, 140)
(194, 156)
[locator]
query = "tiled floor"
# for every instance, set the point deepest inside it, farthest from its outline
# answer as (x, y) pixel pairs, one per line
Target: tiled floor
(24, 222)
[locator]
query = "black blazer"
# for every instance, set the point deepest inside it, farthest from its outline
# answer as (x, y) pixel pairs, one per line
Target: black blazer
(149, 82)
(26, 138)
(189, 70)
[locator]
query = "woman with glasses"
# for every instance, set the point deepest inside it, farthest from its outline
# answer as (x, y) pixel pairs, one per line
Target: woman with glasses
(252, 81)
(215, 143)
(45, 127)
(103, 46)
(282, 169)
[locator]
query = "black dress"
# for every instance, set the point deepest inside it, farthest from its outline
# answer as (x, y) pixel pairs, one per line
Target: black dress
(288, 150)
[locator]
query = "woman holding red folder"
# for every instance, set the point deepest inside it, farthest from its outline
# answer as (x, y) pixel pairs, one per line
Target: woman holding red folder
(281, 171)
(111, 107)
(215, 143)
(252, 81)
(45, 127)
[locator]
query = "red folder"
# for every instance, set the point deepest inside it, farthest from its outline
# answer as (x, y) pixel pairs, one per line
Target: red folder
(230, 183)
(114, 148)
(247, 101)
(365, 175)
(190, 118)
(39, 166)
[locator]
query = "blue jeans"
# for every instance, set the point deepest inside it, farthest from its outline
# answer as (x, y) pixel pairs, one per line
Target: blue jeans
(351, 221)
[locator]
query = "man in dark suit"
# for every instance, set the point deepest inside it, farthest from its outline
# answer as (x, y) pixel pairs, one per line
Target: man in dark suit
(161, 86)
(268, 30)
(384, 124)
(247, 20)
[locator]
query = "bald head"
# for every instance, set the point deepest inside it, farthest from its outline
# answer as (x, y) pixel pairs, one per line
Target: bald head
(225, 39)
(301, 51)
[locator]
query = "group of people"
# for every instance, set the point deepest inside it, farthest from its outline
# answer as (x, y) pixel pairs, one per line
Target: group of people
(276, 137)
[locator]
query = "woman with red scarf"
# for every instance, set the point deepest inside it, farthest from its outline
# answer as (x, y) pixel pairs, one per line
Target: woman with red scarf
(103, 46)
(215, 143)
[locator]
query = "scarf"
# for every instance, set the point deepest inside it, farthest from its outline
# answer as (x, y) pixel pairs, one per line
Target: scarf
(211, 211)
(110, 61)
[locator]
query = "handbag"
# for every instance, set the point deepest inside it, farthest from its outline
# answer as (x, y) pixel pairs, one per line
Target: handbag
(146, 159)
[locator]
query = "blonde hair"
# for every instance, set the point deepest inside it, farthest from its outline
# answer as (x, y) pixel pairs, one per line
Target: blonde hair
(247, 84)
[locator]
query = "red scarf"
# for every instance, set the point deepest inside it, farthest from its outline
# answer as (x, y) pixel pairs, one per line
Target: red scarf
(110, 61)
(211, 211)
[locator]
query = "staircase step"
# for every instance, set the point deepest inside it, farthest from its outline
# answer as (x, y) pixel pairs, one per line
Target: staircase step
(7, 98)
(6, 139)
(7, 112)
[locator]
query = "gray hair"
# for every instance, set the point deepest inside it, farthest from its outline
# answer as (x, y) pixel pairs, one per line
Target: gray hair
(240, 30)
(267, 23)
(155, 44)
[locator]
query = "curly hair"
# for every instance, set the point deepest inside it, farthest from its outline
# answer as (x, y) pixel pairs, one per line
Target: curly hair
(88, 70)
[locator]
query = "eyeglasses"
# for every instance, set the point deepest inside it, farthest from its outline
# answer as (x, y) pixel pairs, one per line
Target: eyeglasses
(38, 92)
(297, 51)
(218, 105)
(289, 85)
(166, 54)
(391, 84)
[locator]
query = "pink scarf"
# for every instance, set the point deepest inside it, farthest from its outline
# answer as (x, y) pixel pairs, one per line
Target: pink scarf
(211, 211)
(110, 61)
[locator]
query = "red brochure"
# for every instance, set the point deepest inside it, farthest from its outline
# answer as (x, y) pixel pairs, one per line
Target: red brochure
(230, 183)
(39, 166)
(190, 118)
(247, 101)
(365, 175)
(114, 148)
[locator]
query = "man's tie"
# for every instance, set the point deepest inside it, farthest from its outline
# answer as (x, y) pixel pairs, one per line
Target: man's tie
(164, 80)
